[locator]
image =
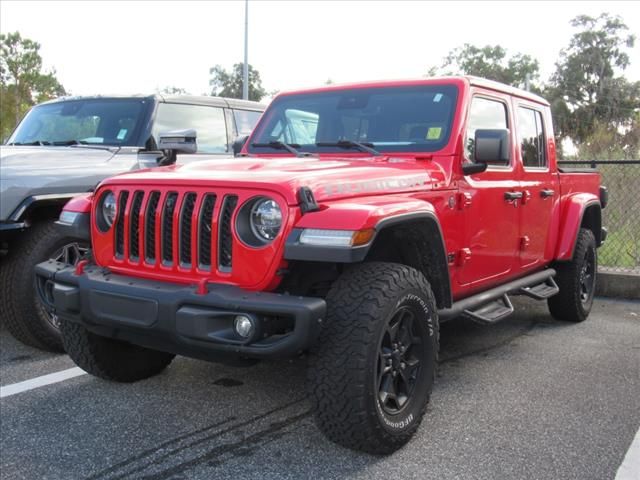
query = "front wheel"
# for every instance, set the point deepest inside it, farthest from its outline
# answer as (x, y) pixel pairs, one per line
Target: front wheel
(111, 359)
(577, 281)
(371, 374)
(26, 317)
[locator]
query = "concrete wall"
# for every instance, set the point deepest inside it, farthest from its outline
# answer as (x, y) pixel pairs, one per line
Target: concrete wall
(618, 285)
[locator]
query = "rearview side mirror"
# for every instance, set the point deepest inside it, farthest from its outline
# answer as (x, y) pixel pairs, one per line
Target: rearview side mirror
(490, 146)
(179, 141)
(238, 143)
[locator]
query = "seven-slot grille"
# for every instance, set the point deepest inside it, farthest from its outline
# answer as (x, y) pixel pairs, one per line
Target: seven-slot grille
(183, 230)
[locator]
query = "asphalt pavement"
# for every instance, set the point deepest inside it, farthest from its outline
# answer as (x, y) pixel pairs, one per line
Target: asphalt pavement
(529, 398)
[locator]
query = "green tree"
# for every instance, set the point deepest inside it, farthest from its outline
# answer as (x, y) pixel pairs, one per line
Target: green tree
(588, 91)
(229, 84)
(491, 62)
(23, 83)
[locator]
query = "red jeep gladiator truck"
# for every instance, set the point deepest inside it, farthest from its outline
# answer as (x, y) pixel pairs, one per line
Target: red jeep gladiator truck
(354, 221)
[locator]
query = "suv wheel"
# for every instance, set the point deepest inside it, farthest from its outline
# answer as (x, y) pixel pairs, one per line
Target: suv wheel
(111, 359)
(371, 375)
(577, 281)
(24, 314)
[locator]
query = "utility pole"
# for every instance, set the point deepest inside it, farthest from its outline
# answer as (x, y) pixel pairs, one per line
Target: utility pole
(245, 69)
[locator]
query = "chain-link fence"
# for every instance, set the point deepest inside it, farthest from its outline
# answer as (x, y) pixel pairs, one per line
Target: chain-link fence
(621, 251)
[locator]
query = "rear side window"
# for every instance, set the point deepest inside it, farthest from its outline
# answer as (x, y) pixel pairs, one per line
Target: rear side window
(208, 122)
(531, 135)
(245, 120)
(484, 114)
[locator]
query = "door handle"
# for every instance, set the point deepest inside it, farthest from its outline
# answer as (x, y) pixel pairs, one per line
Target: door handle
(511, 196)
(546, 193)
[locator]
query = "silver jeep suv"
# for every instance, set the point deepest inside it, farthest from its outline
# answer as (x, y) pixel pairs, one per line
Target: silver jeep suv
(66, 147)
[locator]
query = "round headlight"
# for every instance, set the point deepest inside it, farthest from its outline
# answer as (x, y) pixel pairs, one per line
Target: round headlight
(265, 219)
(108, 209)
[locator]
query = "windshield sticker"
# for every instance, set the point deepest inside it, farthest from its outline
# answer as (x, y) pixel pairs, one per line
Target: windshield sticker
(434, 133)
(437, 97)
(122, 133)
(375, 185)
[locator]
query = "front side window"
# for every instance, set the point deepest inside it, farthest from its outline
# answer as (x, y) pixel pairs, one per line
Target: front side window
(390, 119)
(90, 121)
(484, 114)
(245, 120)
(531, 135)
(208, 122)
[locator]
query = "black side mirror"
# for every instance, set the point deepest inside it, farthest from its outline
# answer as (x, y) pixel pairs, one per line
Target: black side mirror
(174, 142)
(238, 143)
(489, 147)
(179, 141)
(492, 146)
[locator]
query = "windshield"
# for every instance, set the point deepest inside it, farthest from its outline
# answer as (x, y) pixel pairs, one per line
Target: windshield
(388, 119)
(91, 121)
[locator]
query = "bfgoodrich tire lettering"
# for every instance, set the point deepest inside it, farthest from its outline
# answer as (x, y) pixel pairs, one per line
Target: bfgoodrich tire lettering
(380, 315)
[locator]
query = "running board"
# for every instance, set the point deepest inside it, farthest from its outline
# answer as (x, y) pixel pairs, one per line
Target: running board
(542, 291)
(491, 312)
(476, 302)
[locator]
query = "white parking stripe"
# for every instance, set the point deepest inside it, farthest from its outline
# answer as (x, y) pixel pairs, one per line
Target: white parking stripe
(630, 468)
(37, 382)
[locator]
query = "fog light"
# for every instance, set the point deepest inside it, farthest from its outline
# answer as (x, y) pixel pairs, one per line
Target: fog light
(243, 326)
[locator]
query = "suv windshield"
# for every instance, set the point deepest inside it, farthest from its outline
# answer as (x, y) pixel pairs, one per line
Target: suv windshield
(397, 119)
(90, 121)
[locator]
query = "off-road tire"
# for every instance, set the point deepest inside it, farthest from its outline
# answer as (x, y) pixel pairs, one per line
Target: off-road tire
(343, 376)
(111, 359)
(21, 309)
(568, 304)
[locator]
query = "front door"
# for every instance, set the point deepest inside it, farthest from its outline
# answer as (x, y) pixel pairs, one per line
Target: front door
(491, 218)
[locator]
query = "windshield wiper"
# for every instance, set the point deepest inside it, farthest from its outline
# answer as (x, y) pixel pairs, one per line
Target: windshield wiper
(363, 147)
(68, 143)
(39, 143)
(278, 145)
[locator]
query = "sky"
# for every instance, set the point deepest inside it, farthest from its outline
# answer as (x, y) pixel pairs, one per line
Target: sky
(130, 47)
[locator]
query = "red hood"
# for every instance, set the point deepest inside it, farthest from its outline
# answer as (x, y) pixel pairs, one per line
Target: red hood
(328, 178)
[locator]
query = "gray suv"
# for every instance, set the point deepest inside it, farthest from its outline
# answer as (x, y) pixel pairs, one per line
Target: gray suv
(66, 147)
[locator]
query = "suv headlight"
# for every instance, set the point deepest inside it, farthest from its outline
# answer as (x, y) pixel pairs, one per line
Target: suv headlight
(107, 209)
(266, 219)
(259, 221)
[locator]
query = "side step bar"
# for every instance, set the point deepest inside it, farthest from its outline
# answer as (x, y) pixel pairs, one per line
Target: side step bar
(493, 305)
(542, 291)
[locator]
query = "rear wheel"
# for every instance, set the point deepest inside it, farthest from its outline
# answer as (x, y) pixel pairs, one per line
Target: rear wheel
(371, 375)
(110, 359)
(24, 314)
(577, 281)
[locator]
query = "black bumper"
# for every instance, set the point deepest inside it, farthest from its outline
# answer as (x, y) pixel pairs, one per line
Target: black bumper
(174, 318)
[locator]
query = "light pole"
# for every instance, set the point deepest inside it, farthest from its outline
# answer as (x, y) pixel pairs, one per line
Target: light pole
(245, 67)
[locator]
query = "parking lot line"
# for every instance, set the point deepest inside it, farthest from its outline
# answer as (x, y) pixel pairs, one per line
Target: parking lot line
(630, 467)
(37, 382)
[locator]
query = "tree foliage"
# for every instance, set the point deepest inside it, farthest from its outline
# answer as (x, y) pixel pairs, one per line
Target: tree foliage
(491, 62)
(23, 83)
(588, 91)
(593, 104)
(229, 84)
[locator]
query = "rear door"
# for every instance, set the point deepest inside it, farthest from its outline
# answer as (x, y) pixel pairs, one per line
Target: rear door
(538, 185)
(491, 220)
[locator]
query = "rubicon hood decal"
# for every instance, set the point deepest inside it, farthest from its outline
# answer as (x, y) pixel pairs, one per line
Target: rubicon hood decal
(328, 178)
(368, 186)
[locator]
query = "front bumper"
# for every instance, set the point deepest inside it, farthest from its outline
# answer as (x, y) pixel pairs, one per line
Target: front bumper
(175, 318)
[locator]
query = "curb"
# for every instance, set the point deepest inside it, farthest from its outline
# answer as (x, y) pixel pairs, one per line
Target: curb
(618, 285)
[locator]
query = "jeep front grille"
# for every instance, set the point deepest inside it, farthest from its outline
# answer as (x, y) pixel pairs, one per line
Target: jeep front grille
(176, 230)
